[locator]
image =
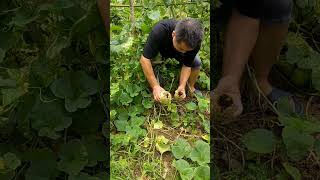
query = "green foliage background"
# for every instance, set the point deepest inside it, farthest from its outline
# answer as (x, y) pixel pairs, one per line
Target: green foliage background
(53, 74)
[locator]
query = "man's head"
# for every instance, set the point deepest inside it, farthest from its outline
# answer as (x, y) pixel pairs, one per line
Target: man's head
(187, 35)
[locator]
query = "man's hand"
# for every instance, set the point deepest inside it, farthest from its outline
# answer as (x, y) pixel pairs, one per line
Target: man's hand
(228, 86)
(156, 90)
(180, 92)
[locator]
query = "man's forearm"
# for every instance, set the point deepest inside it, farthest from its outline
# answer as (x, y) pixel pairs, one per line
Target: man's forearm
(104, 11)
(184, 75)
(148, 71)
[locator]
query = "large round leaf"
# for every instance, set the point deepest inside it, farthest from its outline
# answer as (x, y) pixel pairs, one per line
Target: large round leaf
(259, 140)
(185, 170)
(181, 148)
(201, 153)
(202, 173)
(297, 143)
(74, 157)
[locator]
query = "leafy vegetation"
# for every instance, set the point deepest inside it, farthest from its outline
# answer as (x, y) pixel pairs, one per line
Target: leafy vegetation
(148, 138)
(285, 146)
(53, 78)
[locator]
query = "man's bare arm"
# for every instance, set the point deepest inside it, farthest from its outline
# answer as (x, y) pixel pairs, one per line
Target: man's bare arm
(184, 76)
(148, 71)
(103, 6)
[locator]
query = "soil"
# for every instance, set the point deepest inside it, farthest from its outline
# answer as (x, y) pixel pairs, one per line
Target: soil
(229, 153)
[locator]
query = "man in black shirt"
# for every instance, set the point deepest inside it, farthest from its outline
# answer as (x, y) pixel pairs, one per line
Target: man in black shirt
(174, 39)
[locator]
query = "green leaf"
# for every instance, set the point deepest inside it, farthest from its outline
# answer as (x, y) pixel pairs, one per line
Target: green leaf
(201, 153)
(147, 103)
(43, 165)
(203, 104)
(202, 173)
(259, 140)
(137, 121)
(9, 162)
(284, 107)
(74, 157)
(125, 99)
(46, 125)
(83, 176)
(8, 39)
(154, 15)
(133, 90)
(297, 143)
(59, 43)
(76, 88)
(162, 144)
(181, 148)
(191, 106)
(135, 110)
(302, 125)
(23, 16)
(97, 151)
(317, 147)
(121, 125)
(90, 21)
(123, 115)
(73, 104)
(294, 54)
(185, 170)
(89, 120)
(316, 79)
(134, 132)
(42, 72)
(158, 125)
(10, 95)
(7, 83)
(309, 62)
(294, 172)
(2, 55)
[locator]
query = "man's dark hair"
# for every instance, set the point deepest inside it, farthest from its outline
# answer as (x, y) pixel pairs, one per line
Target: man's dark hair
(189, 31)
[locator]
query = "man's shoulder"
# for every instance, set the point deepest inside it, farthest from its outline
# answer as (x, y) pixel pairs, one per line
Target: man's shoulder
(166, 24)
(168, 21)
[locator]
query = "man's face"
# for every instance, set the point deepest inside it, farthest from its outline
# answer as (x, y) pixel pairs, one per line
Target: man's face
(182, 46)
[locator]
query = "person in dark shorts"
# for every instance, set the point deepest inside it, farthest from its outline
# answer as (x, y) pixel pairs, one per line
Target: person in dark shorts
(180, 40)
(256, 30)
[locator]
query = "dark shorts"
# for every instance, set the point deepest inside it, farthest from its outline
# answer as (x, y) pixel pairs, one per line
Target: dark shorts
(269, 11)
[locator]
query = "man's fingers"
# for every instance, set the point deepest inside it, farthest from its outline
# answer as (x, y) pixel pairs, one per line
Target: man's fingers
(238, 105)
(214, 100)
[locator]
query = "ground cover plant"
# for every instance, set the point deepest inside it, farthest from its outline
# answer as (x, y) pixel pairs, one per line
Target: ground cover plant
(152, 140)
(53, 79)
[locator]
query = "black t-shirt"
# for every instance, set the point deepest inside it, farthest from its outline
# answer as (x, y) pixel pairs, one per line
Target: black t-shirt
(160, 40)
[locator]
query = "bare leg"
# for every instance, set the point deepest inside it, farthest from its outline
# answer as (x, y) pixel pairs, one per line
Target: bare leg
(193, 78)
(240, 40)
(266, 52)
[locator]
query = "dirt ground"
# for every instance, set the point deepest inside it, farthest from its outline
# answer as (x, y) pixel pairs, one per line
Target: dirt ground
(229, 153)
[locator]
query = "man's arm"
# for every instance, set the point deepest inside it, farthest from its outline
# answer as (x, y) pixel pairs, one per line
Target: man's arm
(103, 6)
(148, 71)
(184, 76)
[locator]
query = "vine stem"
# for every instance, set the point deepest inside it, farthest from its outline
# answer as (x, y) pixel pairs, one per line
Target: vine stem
(252, 77)
(40, 95)
(20, 170)
(225, 138)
